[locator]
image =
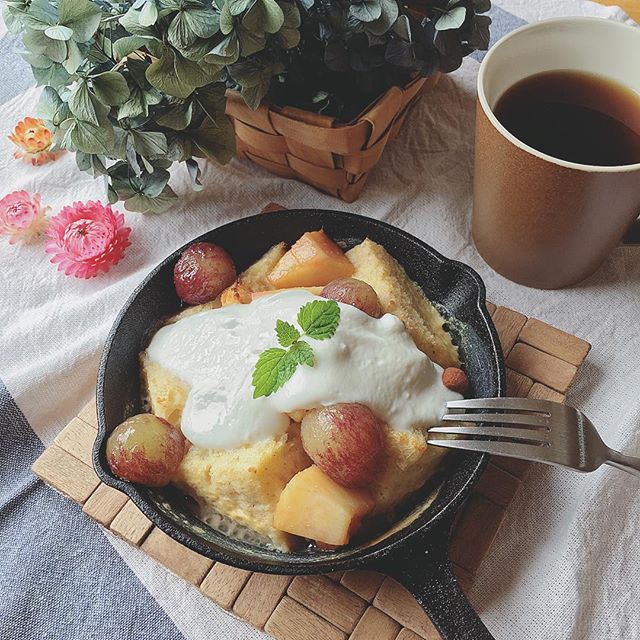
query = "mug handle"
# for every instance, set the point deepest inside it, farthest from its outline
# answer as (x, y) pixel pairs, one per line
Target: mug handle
(422, 566)
(632, 236)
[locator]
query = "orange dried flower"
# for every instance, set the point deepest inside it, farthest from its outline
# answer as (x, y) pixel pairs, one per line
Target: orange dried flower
(34, 140)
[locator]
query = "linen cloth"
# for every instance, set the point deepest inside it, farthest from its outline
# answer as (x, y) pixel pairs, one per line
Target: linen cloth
(565, 563)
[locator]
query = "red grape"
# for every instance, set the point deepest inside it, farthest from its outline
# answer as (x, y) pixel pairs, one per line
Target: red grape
(355, 292)
(202, 272)
(344, 440)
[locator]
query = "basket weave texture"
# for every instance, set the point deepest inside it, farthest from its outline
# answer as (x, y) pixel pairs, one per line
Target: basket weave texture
(333, 157)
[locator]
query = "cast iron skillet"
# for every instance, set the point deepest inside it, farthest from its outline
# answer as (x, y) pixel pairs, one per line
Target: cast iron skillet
(414, 549)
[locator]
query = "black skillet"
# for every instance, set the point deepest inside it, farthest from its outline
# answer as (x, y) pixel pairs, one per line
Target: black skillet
(414, 549)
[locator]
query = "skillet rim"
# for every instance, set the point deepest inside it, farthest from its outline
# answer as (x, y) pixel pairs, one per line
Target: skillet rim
(301, 564)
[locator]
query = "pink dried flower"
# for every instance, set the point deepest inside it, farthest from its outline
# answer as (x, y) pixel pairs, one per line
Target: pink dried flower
(35, 142)
(86, 238)
(22, 217)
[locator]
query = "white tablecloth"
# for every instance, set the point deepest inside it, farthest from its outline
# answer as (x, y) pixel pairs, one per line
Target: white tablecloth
(565, 564)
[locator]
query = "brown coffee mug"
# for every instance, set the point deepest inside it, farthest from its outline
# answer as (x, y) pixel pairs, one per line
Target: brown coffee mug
(538, 220)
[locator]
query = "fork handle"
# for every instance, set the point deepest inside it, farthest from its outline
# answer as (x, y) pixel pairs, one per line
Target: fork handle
(630, 464)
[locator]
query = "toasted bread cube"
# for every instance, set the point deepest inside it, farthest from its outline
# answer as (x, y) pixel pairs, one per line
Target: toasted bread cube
(313, 506)
(404, 298)
(245, 484)
(314, 260)
(235, 293)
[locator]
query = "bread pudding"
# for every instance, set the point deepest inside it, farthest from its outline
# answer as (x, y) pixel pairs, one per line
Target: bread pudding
(334, 434)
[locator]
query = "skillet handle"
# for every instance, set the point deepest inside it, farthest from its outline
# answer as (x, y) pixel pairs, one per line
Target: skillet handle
(424, 569)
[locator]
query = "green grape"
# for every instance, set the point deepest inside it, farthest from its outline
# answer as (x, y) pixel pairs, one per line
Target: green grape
(145, 449)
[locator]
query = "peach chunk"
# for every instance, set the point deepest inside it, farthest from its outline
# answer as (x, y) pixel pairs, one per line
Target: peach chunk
(259, 294)
(314, 260)
(313, 506)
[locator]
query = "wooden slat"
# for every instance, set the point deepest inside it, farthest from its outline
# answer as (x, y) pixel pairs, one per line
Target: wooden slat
(364, 583)
(223, 584)
(542, 367)
(491, 308)
(272, 206)
(474, 532)
(497, 485)
(336, 576)
(259, 598)
(541, 392)
(406, 634)
(508, 325)
(551, 340)
(518, 385)
(332, 601)
(292, 621)
(464, 577)
(187, 564)
(397, 602)
(375, 625)
(77, 438)
(104, 504)
(131, 524)
(66, 474)
(88, 413)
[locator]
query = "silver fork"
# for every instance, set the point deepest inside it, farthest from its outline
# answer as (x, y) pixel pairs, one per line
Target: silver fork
(536, 430)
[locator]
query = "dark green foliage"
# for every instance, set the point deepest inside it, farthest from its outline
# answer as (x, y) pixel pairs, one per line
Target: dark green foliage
(133, 87)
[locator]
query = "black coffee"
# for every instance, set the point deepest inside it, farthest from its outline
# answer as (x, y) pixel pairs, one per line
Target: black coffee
(579, 117)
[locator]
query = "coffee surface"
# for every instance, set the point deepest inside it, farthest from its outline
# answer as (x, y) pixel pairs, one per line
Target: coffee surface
(574, 116)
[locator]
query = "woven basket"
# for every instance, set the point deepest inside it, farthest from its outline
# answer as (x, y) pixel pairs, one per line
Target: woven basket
(333, 157)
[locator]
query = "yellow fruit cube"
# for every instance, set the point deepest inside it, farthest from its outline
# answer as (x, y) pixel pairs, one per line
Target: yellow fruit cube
(313, 506)
(314, 260)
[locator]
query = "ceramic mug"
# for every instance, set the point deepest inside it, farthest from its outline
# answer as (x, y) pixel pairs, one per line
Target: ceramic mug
(538, 220)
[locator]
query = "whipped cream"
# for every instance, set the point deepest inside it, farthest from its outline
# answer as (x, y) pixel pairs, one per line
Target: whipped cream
(371, 361)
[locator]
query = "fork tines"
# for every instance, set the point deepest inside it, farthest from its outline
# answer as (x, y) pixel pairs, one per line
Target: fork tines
(504, 404)
(516, 423)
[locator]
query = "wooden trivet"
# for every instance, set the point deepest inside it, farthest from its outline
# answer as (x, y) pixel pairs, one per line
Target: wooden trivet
(542, 362)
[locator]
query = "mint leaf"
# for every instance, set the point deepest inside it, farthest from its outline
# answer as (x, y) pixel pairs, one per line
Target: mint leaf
(287, 333)
(265, 375)
(285, 369)
(302, 353)
(276, 366)
(319, 319)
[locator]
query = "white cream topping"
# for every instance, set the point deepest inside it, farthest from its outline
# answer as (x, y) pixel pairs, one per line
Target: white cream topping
(371, 361)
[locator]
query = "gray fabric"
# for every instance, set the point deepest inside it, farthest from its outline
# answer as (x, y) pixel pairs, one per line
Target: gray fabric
(502, 22)
(59, 578)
